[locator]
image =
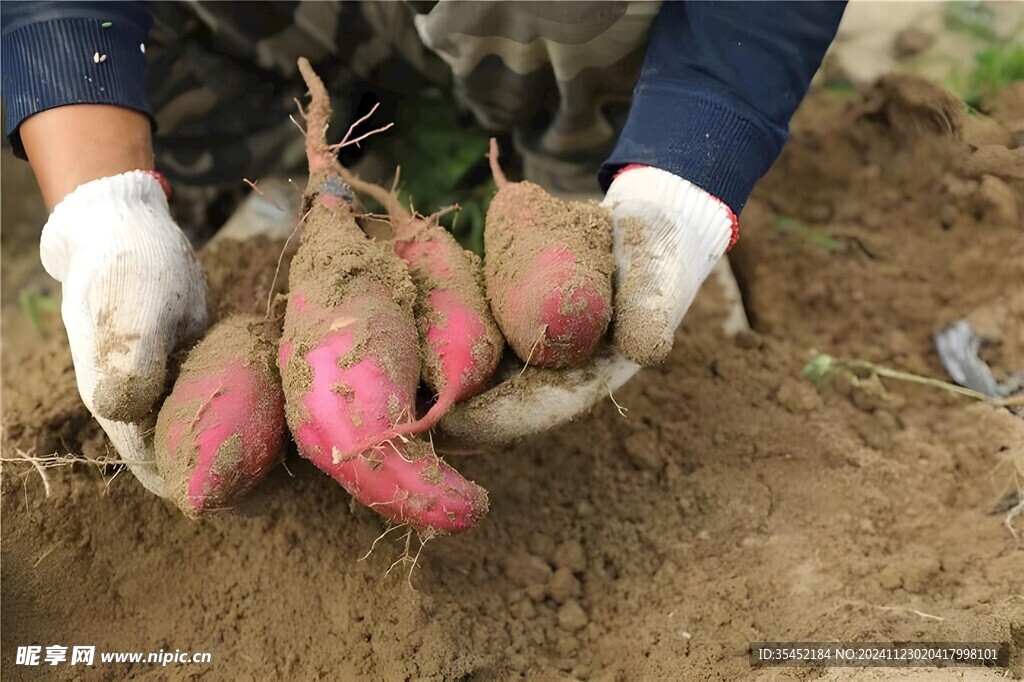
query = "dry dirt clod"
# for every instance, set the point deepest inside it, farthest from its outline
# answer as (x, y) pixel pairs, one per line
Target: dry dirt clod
(798, 396)
(570, 555)
(526, 569)
(543, 546)
(749, 340)
(980, 130)
(564, 586)
(644, 450)
(999, 202)
(571, 616)
(567, 646)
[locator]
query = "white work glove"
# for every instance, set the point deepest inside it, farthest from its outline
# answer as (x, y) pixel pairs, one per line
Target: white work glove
(133, 292)
(667, 236)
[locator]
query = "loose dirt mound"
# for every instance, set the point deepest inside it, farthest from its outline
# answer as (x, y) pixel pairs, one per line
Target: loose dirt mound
(737, 502)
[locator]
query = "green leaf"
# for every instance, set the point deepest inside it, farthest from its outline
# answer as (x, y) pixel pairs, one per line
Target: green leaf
(442, 154)
(995, 68)
(812, 235)
(819, 367)
(33, 303)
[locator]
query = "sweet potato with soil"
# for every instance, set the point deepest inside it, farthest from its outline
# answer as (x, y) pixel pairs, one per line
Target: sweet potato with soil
(221, 429)
(349, 356)
(459, 340)
(548, 267)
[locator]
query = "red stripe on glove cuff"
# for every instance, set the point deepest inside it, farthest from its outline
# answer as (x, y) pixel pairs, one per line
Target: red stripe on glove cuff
(164, 184)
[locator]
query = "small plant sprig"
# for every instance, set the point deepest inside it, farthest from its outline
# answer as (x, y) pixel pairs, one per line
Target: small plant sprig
(822, 364)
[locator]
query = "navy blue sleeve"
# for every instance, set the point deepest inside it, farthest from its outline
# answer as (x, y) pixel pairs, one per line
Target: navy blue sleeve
(59, 53)
(719, 84)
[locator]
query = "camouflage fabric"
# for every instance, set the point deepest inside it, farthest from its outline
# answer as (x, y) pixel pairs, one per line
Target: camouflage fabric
(558, 75)
(222, 80)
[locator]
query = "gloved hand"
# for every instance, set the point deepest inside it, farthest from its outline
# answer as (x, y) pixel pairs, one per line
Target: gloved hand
(133, 292)
(668, 235)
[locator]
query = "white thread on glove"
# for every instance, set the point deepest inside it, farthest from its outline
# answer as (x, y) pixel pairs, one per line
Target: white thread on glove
(668, 235)
(133, 290)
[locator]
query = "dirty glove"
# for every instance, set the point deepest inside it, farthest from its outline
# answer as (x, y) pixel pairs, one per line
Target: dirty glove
(668, 235)
(133, 292)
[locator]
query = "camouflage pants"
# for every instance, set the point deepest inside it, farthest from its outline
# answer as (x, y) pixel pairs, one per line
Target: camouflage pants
(557, 75)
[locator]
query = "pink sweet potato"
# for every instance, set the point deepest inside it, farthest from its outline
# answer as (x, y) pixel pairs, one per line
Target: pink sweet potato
(221, 429)
(459, 340)
(349, 356)
(548, 267)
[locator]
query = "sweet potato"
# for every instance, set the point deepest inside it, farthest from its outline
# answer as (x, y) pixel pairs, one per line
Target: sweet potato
(548, 267)
(349, 356)
(221, 429)
(459, 341)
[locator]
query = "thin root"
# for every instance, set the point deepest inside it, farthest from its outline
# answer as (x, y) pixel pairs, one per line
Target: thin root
(42, 472)
(921, 614)
(904, 609)
(499, 175)
(43, 556)
(261, 193)
(280, 260)
(543, 331)
(407, 557)
(400, 496)
(437, 215)
(355, 125)
(203, 405)
(41, 464)
(380, 538)
(339, 145)
(405, 553)
(1013, 513)
(622, 410)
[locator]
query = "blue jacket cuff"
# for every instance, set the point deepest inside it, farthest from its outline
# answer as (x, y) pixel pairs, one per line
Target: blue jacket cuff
(699, 136)
(60, 61)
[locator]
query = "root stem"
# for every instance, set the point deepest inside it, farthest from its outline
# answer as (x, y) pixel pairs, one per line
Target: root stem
(499, 175)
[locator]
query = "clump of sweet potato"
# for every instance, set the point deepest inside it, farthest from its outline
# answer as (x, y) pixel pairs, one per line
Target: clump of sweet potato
(220, 430)
(349, 356)
(548, 266)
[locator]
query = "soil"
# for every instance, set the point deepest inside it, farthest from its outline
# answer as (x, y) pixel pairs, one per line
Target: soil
(736, 502)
